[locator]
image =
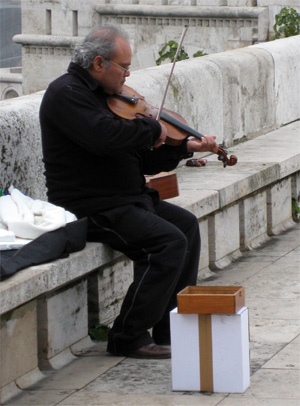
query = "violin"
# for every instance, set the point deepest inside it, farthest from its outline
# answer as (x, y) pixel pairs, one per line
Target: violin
(130, 105)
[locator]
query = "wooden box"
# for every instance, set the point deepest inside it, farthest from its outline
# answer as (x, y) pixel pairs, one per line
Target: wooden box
(165, 183)
(211, 299)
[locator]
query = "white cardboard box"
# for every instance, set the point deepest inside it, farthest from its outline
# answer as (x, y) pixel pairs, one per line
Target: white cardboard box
(210, 352)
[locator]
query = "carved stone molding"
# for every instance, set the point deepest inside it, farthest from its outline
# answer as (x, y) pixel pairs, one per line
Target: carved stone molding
(45, 50)
(171, 21)
(196, 12)
(195, 16)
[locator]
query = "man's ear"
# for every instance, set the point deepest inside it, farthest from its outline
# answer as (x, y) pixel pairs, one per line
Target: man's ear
(98, 63)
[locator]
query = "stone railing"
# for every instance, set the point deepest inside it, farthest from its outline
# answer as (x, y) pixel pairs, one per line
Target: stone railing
(236, 94)
(247, 95)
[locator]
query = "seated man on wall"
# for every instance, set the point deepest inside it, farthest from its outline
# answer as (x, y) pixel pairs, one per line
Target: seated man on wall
(94, 167)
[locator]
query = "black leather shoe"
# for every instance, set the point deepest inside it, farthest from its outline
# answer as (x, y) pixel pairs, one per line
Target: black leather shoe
(150, 351)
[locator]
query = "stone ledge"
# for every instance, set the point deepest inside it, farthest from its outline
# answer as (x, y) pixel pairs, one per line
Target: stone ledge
(261, 162)
(35, 281)
(47, 40)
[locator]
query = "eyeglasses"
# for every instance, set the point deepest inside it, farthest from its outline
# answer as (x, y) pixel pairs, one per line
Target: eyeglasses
(119, 66)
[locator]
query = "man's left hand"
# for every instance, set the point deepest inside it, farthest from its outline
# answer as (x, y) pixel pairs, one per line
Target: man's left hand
(205, 144)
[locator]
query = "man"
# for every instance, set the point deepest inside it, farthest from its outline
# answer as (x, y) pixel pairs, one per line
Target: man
(95, 166)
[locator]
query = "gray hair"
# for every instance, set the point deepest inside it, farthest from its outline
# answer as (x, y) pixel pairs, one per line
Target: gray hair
(101, 41)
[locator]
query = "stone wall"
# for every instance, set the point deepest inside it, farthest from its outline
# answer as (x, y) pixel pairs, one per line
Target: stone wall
(236, 95)
(239, 95)
(20, 145)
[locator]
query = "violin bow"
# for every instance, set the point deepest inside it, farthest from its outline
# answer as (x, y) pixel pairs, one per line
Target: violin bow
(222, 153)
(169, 80)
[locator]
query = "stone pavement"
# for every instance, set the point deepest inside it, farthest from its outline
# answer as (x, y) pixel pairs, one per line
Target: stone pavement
(271, 276)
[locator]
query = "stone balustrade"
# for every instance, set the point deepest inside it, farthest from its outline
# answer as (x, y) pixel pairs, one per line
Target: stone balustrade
(239, 95)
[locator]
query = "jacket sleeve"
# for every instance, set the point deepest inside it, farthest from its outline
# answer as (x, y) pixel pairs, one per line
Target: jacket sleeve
(164, 158)
(87, 121)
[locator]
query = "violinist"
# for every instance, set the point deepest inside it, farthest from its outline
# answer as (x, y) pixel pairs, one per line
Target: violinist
(95, 166)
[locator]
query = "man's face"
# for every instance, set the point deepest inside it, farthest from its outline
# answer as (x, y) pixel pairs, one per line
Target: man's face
(112, 77)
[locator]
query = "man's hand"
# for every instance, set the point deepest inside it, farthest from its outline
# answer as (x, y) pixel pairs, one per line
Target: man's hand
(162, 137)
(205, 144)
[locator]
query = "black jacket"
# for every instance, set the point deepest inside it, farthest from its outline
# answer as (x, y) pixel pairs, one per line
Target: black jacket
(92, 160)
(47, 247)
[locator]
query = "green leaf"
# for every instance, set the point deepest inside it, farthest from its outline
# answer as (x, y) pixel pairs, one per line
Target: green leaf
(99, 332)
(199, 53)
(287, 23)
(171, 52)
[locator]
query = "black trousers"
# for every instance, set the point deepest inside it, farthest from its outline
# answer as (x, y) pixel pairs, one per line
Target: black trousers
(164, 243)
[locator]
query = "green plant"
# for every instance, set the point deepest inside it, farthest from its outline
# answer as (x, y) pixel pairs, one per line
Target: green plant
(168, 51)
(287, 23)
(296, 209)
(199, 53)
(99, 332)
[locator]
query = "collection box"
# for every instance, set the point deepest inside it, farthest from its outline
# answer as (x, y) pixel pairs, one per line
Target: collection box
(210, 341)
(211, 299)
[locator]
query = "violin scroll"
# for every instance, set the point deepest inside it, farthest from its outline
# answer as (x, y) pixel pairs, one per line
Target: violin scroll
(223, 157)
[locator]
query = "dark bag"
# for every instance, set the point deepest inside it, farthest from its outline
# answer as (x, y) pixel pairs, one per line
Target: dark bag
(46, 248)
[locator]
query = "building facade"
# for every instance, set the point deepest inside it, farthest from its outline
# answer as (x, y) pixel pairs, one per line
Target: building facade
(50, 29)
(10, 52)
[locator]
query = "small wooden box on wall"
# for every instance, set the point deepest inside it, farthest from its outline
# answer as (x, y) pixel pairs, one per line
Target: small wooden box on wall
(210, 340)
(165, 183)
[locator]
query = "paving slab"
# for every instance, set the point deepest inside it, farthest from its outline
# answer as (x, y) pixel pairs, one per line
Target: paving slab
(274, 309)
(287, 358)
(258, 402)
(273, 331)
(261, 352)
(41, 398)
(283, 285)
(118, 399)
(273, 384)
(78, 373)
